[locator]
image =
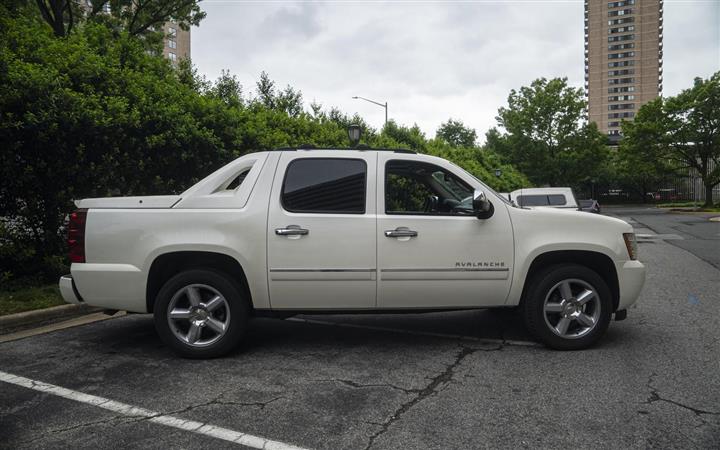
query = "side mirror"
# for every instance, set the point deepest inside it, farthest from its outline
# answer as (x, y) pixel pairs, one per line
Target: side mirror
(482, 207)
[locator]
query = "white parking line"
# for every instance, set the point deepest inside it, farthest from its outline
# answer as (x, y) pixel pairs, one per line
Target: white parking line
(152, 416)
(420, 333)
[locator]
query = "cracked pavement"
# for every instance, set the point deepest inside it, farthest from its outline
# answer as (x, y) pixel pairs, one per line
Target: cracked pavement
(654, 381)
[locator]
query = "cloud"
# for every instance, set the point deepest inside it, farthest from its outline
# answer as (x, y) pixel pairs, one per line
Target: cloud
(429, 60)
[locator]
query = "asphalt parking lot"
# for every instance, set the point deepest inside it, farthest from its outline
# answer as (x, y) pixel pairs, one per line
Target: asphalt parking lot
(449, 380)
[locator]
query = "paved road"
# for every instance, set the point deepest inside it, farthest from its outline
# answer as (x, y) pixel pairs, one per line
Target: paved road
(695, 233)
(393, 381)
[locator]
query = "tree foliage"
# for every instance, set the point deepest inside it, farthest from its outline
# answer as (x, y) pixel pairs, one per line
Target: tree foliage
(137, 17)
(680, 132)
(456, 134)
(546, 135)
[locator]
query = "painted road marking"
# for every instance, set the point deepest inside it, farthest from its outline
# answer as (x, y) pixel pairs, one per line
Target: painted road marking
(661, 237)
(152, 416)
(420, 333)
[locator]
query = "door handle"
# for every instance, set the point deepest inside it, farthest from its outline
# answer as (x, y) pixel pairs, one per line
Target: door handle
(292, 230)
(401, 232)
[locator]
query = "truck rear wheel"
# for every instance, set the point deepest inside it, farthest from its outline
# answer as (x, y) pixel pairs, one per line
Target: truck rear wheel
(568, 307)
(200, 314)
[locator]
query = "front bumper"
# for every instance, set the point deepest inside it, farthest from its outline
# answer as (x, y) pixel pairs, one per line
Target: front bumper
(68, 291)
(631, 278)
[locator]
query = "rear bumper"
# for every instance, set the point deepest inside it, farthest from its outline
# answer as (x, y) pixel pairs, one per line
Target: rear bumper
(631, 278)
(68, 291)
(110, 286)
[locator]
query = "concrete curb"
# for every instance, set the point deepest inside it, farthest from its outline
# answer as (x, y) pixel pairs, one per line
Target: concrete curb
(13, 322)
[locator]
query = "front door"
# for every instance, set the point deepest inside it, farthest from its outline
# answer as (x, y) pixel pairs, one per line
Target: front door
(321, 231)
(431, 251)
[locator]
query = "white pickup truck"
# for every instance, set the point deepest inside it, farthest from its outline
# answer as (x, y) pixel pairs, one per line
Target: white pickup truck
(296, 231)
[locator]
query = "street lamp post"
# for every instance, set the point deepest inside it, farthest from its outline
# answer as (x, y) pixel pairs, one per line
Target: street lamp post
(383, 105)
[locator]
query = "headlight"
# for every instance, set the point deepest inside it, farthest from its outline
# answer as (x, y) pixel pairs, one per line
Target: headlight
(631, 244)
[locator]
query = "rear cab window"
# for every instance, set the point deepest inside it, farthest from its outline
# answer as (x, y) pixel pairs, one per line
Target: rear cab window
(325, 186)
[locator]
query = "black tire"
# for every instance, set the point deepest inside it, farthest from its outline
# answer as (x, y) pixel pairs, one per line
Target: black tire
(233, 313)
(542, 325)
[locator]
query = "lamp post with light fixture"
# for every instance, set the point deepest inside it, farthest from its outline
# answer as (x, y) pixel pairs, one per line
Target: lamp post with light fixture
(354, 134)
(383, 105)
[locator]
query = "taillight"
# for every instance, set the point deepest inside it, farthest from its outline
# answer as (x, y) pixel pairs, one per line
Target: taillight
(76, 236)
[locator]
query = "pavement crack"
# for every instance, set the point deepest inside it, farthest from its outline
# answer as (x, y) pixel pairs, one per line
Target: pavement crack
(356, 385)
(430, 389)
(656, 397)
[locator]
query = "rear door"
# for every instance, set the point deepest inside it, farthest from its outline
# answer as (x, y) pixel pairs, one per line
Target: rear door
(321, 234)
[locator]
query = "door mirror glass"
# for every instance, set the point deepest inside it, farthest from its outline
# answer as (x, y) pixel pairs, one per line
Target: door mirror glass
(482, 207)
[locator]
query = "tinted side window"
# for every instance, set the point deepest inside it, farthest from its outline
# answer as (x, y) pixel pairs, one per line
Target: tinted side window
(325, 185)
(419, 188)
(557, 199)
(533, 200)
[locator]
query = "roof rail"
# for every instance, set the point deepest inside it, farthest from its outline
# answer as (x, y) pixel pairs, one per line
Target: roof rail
(312, 147)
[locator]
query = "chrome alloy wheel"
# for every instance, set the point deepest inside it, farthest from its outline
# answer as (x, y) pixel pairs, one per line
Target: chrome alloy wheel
(572, 308)
(198, 315)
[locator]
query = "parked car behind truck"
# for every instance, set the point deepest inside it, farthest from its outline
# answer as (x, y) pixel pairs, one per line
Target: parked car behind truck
(301, 231)
(551, 197)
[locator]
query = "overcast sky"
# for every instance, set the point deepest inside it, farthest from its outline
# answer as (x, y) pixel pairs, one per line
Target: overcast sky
(429, 60)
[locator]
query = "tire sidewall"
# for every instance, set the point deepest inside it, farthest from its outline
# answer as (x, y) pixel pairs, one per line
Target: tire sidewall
(534, 314)
(236, 303)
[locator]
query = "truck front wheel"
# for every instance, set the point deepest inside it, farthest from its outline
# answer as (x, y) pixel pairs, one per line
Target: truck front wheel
(200, 314)
(568, 307)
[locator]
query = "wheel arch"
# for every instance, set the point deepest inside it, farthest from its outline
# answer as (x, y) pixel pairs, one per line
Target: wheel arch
(167, 265)
(598, 262)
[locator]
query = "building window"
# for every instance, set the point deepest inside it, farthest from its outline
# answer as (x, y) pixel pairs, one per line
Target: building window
(621, 63)
(620, 12)
(614, 73)
(622, 29)
(625, 37)
(172, 44)
(621, 55)
(614, 90)
(623, 115)
(621, 21)
(172, 56)
(172, 32)
(620, 4)
(621, 106)
(621, 80)
(325, 185)
(619, 98)
(621, 46)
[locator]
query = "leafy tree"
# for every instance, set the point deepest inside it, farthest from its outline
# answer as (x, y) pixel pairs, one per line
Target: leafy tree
(228, 89)
(546, 134)
(456, 134)
(683, 130)
(288, 100)
(639, 164)
(74, 124)
(137, 17)
(59, 14)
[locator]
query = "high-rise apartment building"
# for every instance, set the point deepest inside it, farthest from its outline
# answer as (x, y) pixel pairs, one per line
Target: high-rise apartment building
(623, 59)
(177, 42)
